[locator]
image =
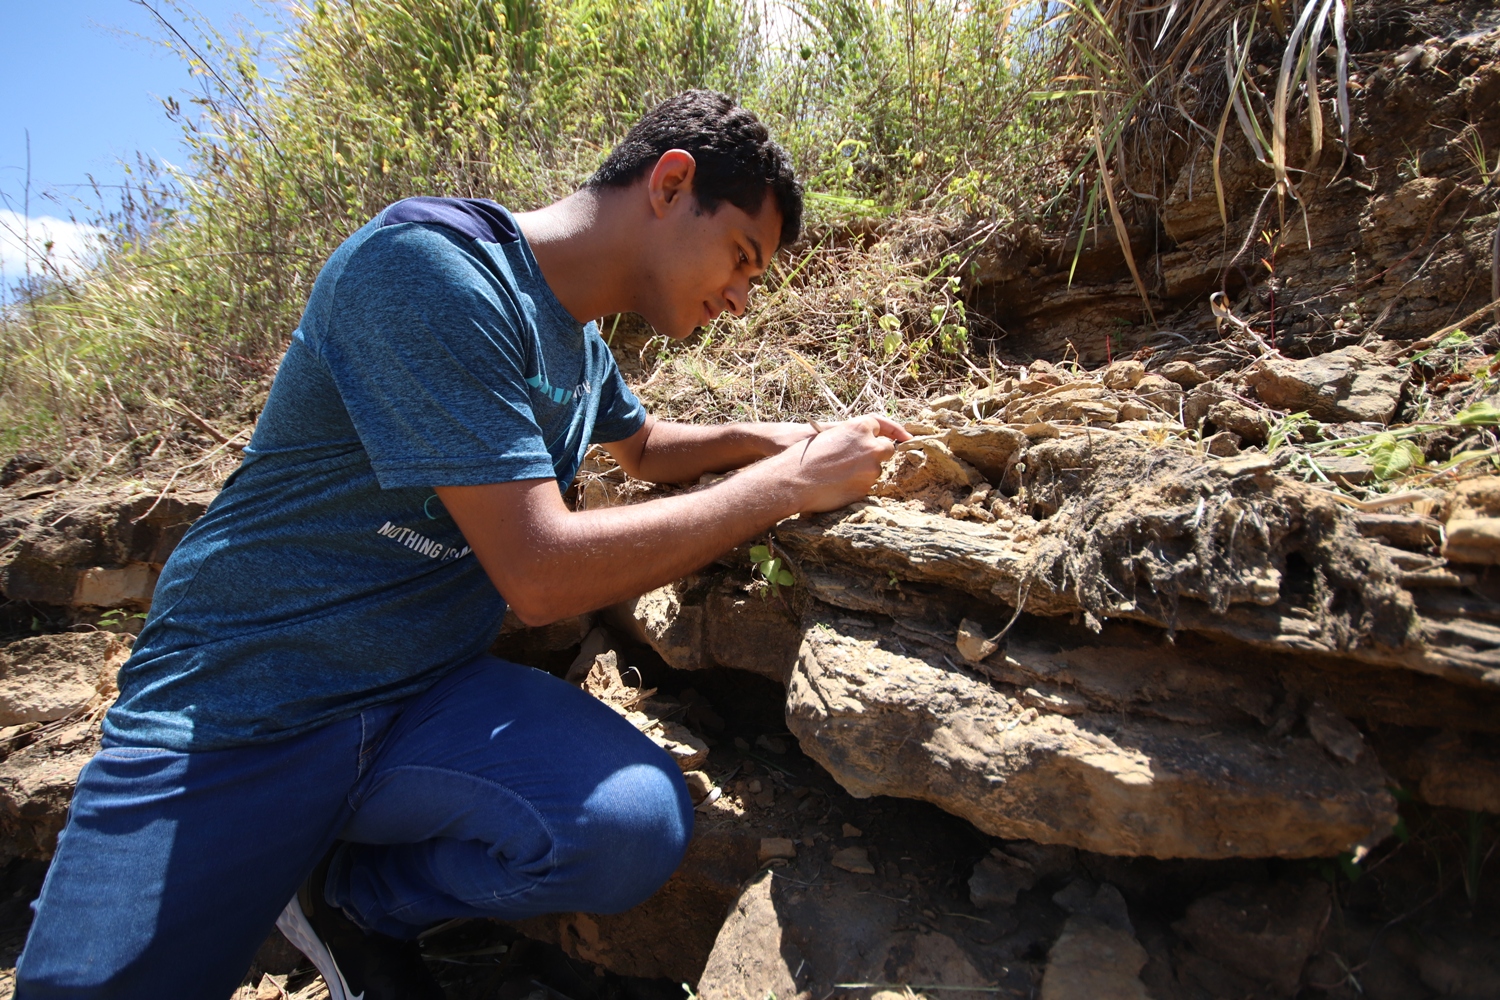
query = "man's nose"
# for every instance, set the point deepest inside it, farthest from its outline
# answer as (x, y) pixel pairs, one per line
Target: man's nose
(737, 295)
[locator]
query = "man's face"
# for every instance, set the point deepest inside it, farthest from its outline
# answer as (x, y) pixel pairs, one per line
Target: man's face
(707, 261)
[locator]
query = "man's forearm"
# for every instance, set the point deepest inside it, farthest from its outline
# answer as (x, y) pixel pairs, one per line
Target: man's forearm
(587, 560)
(681, 453)
(549, 562)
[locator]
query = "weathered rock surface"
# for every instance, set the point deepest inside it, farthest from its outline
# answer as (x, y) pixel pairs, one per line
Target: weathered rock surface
(1347, 384)
(50, 677)
(36, 785)
(1104, 525)
(715, 620)
(888, 717)
(1108, 526)
(1460, 770)
(998, 878)
(1472, 531)
(1093, 961)
(42, 680)
(1265, 933)
(789, 940)
(95, 550)
(1097, 956)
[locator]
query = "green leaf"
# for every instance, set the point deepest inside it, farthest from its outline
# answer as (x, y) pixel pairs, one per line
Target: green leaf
(759, 553)
(1482, 413)
(785, 578)
(1390, 457)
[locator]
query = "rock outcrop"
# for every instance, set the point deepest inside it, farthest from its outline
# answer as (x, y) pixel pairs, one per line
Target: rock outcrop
(92, 549)
(1045, 765)
(53, 691)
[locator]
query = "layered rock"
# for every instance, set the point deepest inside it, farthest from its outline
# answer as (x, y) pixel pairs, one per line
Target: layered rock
(53, 691)
(91, 550)
(1031, 764)
(967, 640)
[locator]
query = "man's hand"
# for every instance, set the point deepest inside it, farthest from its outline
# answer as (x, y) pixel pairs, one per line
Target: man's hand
(839, 463)
(549, 562)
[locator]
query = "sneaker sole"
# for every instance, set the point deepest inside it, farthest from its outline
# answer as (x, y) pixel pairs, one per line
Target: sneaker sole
(299, 931)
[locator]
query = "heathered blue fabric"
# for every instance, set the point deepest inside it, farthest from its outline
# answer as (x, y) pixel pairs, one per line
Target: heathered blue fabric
(326, 577)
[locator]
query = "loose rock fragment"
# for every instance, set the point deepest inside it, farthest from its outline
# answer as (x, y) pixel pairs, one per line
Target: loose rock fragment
(1237, 418)
(699, 784)
(1263, 932)
(1473, 530)
(998, 878)
(1334, 733)
(774, 744)
(1097, 955)
(925, 466)
(782, 940)
(1347, 384)
(50, 677)
(1183, 373)
(605, 683)
(36, 785)
(1461, 771)
(1092, 961)
(973, 644)
(1224, 444)
(1124, 374)
(1476, 540)
(854, 859)
(774, 848)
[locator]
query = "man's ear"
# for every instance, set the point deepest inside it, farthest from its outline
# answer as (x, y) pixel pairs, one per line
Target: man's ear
(671, 180)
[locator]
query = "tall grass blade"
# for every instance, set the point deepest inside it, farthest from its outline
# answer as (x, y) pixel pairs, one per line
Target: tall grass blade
(1121, 232)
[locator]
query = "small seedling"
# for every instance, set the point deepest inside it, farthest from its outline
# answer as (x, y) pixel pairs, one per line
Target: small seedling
(1390, 457)
(116, 617)
(1286, 429)
(771, 570)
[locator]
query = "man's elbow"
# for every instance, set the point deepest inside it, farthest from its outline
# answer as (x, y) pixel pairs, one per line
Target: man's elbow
(536, 605)
(531, 612)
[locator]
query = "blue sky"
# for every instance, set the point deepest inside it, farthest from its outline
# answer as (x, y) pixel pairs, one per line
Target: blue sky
(81, 78)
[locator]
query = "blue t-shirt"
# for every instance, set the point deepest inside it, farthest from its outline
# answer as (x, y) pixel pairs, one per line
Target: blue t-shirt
(327, 577)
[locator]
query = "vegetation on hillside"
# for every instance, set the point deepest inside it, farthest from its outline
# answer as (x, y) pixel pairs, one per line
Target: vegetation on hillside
(919, 126)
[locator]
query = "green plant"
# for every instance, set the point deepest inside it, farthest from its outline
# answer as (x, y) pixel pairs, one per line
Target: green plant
(1391, 457)
(1286, 429)
(1472, 146)
(116, 617)
(770, 569)
(1135, 73)
(882, 106)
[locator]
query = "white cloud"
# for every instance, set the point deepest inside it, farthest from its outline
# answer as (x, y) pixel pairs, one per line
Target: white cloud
(75, 247)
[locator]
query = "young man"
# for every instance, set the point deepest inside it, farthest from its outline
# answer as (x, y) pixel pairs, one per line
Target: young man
(310, 703)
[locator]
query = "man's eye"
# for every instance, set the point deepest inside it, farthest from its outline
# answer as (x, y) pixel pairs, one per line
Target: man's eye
(743, 259)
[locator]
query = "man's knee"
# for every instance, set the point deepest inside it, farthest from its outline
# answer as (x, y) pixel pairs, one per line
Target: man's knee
(634, 830)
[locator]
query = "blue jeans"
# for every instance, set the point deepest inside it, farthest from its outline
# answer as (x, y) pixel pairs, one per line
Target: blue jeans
(500, 792)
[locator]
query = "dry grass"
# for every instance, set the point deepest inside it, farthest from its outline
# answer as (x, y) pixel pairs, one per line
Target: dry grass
(852, 322)
(1157, 79)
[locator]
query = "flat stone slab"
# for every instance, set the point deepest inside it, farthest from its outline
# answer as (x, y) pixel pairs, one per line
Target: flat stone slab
(887, 717)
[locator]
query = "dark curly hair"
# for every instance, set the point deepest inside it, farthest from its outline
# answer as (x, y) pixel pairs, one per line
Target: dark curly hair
(737, 161)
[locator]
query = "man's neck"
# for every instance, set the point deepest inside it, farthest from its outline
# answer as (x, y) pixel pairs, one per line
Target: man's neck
(583, 248)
